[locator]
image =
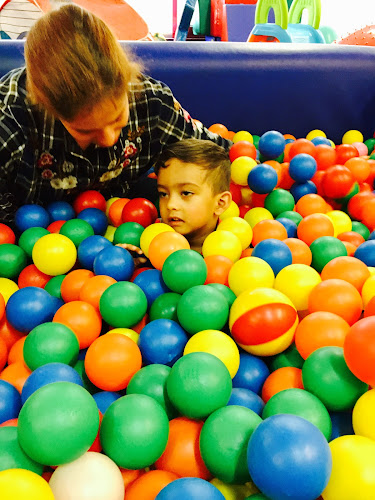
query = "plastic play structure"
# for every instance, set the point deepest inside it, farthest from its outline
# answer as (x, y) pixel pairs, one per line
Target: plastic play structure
(212, 20)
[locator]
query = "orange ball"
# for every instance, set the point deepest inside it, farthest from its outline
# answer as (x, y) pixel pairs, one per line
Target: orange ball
(268, 229)
(320, 329)
(357, 202)
(82, 318)
(129, 476)
(337, 296)
(351, 237)
(278, 168)
(368, 215)
(93, 289)
(111, 361)
(16, 374)
(349, 269)
(115, 211)
(369, 309)
(31, 276)
(325, 156)
(287, 377)
(301, 253)
(13, 422)
(3, 353)
(311, 204)
(73, 282)
(359, 167)
(314, 226)
(16, 351)
(286, 182)
(219, 128)
(163, 244)
(301, 146)
(149, 485)
(182, 455)
(350, 248)
(9, 334)
(218, 267)
(2, 306)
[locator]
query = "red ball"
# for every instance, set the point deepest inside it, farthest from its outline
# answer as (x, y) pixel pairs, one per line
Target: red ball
(242, 148)
(6, 234)
(325, 156)
(55, 226)
(344, 152)
(357, 202)
(337, 182)
(301, 146)
(235, 190)
(140, 210)
(359, 350)
(31, 276)
(370, 308)
(89, 199)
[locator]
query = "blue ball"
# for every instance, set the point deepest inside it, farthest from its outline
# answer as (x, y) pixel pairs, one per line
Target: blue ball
(104, 399)
(10, 401)
(247, 398)
(290, 226)
(262, 178)
(31, 216)
(372, 236)
(342, 424)
(275, 252)
(60, 210)
(189, 488)
(29, 307)
(300, 189)
(251, 373)
(89, 248)
(289, 458)
(96, 218)
(366, 252)
(115, 262)
(152, 283)
(271, 144)
(321, 140)
(47, 374)
(162, 341)
(302, 167)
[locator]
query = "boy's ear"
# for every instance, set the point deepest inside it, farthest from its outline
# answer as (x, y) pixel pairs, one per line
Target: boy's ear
(223, 201)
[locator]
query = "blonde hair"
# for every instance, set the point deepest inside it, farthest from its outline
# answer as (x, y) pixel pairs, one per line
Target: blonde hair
(74, 61)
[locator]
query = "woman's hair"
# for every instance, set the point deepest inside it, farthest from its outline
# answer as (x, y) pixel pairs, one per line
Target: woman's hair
(74, 61)
(206, 154)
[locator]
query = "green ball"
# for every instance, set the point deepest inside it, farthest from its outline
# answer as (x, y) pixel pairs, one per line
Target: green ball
(53, 287)
(199, 384)
(257, 496)
(58, 423)
(29, 237)
(353, 191)
(50, 343)
(360, 228)
(290, 214)
(303, 404)
(256, 140)
(12, 455)
(12, 260)
(202, 308)
(134, 431)
(326, 375)
(370, 143)
(325, 249)
(87, 384)
(165, 306)
(223, 442)
(151, 380)
(289, 357)
(123, 304)
(278, 201)
(226, 291)
(128, 232)
(184, 269)
(77, 230)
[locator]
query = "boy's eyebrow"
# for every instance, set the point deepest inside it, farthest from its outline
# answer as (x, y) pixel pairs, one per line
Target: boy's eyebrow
(180, 184)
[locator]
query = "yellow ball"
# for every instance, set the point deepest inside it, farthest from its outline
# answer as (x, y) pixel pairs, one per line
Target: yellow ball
(234, 491)
(7, 288)
(150, 232)
(246, 195)
(128, 332)
(22, 484)
(240, 169)
(232, 211)
(315, 133)
(352, 136)
(372, 270)
(110, 233)
(217, 343)
(368, 290)
(54, 254)
(353, 469)
(222, 243)
(239, 227)
(243, 135)
(363, 415)
(297, 281)
(250, 273)
(256, 214)
(340, 220)
(109, 203)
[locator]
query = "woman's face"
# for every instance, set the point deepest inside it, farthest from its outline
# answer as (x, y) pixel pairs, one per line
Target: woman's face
(102, 125)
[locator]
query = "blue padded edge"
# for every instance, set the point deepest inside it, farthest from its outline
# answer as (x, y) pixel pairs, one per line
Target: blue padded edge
(293, 88)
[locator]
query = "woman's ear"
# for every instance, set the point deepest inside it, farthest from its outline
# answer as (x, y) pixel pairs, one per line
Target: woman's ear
(223, 201)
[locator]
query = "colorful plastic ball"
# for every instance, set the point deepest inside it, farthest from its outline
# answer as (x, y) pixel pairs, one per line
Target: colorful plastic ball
(366, 253)
(189, 488)
(139, 210)
(302, 167)
(337, 181)
(275, 252)
(297, 281)
(123, 305)
(96, 218)
(162, 341)
(48, 374)
(340, 220)
(31, 216)
(134, 431)
(246, 398)
(240, 169)
(29, 307)
(353, 468)
(349, 269)
(242, 148)
(239, 227)
(223, 243)
(89, 199)
(253, 322)
(163, 245)
(149, 484)
(184, 269)
(317, 141)
(271, 144)
(31, 276)
(303, 464)
(352, 136)
(58, 423)
(128, 233)
(286, 377)
(151, 380)
(89, 248)
(151, 282)
(60, 210)
(280, 200)
(314, 226)
(251, 373)
(362, 415)
(114, 210)
(76, 230)
(29, 237)
(301, 189)
(6, 234)
(291, 215)
(53, 286)
(10, 401)
(257, 214)
(149, 234)
(290, 226)
(16, 374)
(12, 260)
(262, 178)
(226, 291)
(54, 254)
(19, 483)
(115, 262)
(361, 229)
(199, 383)
(359, 350)
(324, 249)
(368, 311)
(266, 229)
(289, 357)
(11, 454)
(218, 267)
(368, 289)
(165, 306)
(302, 146)
(202, 308)
(73, 282)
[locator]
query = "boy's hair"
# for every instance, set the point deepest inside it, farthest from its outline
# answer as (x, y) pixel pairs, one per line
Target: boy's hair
(74, 61)
(209, 156)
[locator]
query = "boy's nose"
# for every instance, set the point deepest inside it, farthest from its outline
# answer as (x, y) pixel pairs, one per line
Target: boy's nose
(172, 202)
(107, 137)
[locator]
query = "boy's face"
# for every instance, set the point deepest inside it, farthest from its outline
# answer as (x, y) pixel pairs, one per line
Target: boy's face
(186, 200)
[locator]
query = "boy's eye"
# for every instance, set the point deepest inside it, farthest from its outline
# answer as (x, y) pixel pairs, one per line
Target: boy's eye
(162, 195)
(186, 193)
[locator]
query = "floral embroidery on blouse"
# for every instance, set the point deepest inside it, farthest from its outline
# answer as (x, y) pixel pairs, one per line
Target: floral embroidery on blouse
(45, 160)
(65, 183)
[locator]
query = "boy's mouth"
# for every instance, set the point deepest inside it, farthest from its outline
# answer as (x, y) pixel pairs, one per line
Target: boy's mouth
(174, 221)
